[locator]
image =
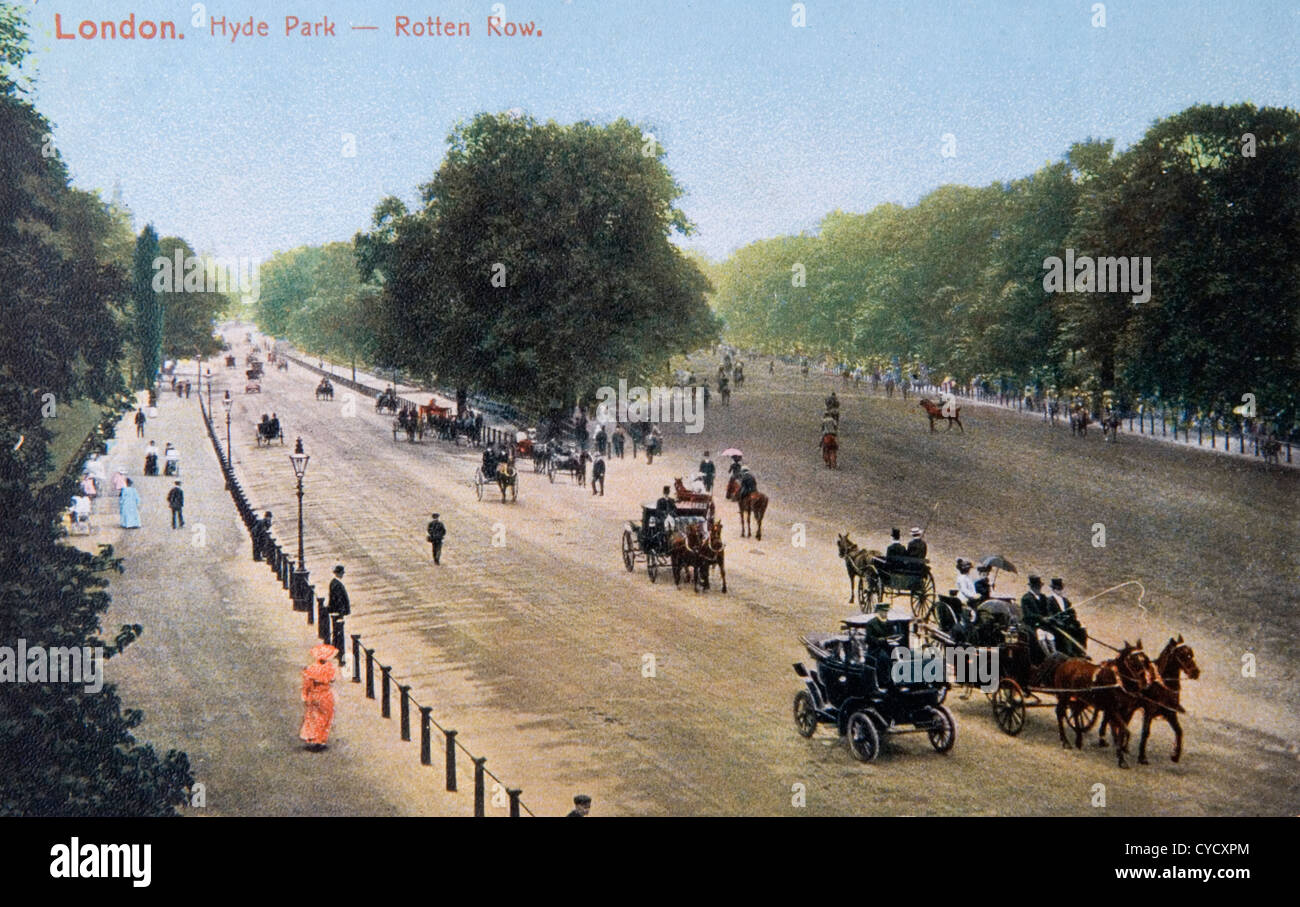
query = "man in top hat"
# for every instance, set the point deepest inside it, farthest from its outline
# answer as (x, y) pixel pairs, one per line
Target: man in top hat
(581, 807)
(436, 533)
(916, 547)
(339, 604)
(708, 469)
(896, 547)
(1035, 609)
(1069, 636)
(262, 537)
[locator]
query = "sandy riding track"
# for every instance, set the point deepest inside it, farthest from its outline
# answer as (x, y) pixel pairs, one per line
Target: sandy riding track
(535, 649)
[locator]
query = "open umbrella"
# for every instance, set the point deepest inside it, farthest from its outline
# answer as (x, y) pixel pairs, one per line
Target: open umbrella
(731, 452)
(997, 562)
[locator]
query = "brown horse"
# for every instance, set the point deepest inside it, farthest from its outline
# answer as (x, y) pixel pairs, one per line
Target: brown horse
(1079, 419)
(935, 412)
(690, 550)
(752, 507)
(857, 561)
(830, 451)
(1113, 688)
(1110, 424)
(1161, 700)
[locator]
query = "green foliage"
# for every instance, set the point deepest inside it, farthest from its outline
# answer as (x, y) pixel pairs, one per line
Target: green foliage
(147, 309)
(957, 280)
(188, 312)
(540, 265)
(314, 296)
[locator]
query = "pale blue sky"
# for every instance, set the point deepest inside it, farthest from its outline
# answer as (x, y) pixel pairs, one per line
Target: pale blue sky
(238, 147)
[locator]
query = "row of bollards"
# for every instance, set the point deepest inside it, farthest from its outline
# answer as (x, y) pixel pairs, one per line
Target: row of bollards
(331, 629)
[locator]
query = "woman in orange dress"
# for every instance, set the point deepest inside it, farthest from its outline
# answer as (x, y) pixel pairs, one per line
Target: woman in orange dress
(318, 697)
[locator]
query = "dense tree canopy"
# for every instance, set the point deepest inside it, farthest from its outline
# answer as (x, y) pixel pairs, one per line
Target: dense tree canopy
(540, 265)
(1211, 195)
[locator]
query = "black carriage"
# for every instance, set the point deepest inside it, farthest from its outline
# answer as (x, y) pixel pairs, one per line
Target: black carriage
(386, 402)
(325, 390)
(648, 540)
(993, 632)
(567, 459)
(894, 577)
(851, 687)
(266, 432)
(408, 421)
(483, 481)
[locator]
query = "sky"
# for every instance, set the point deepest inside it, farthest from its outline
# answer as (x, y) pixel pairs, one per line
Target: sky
(242, 147)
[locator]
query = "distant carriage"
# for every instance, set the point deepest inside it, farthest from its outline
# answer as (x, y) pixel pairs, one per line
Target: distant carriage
(570, 460)
(266, 432)
(325, 390)
(648, 541)
(505, 476)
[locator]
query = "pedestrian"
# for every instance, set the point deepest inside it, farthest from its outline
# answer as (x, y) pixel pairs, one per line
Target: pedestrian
(262, 537)
(139, 423)
(583, 459)
(602, 440)
(318, 697)
(436, 533)
(619, 440)
(340, 606)
(128, 506)
(581, 807)
(176, 501)
(89, 489)
(708, 469)
(598, 474)
(187, 390)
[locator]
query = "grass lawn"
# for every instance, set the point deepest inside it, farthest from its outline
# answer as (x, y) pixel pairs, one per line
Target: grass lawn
(74, 421)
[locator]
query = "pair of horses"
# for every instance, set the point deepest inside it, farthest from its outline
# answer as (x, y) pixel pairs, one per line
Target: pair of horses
(325, 389)
(937, 412)
(752, 508)
(1118, 687)
(697, 551)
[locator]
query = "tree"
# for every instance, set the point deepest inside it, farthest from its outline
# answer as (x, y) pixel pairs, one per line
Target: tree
(540, 265)
(189, 307)
(147, 310)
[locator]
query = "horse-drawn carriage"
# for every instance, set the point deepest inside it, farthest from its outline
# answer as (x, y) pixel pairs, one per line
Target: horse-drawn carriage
(269, 430)
(503, 474)
(325, 390)
(648, 540)
(893, 577)
(230, 362)
(409, 422)
(387, 402)
(567, 459)
(852, 688)
(692, 503)
(252, 386)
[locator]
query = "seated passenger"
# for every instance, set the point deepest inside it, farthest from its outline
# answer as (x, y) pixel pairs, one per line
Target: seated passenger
(896, 548)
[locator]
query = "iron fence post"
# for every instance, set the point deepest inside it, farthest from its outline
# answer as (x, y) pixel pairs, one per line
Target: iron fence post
(370, 673)
(426, 754)
(356, 658)
(514, 793)
(385, 696)
(406, 710)
(451, 759)
(480, 782)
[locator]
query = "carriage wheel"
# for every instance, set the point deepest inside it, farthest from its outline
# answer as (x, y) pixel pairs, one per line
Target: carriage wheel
(652, 567)
(869, 593)
(805, 714)
(943, 732)
(1009, 707)
(1082, 716)
(864, 742)
(629, 551)
(478, 485)
(924, 600)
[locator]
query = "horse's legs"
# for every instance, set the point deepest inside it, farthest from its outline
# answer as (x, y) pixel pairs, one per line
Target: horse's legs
(722, 572)
(957, 419)
(1060, 722)
(1172, 717)
(1146, 732)
(758, 536)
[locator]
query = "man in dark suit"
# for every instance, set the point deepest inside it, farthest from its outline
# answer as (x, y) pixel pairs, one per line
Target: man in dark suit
(598, 474)
(1035, 610)
(176, 501)
(436, 533)
(896, 548)
(708, 469)
(916, 547)
(262, 537)
(339, 604)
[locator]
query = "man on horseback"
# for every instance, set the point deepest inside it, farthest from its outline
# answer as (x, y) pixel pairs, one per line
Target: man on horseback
(733, 471)
(748, 484)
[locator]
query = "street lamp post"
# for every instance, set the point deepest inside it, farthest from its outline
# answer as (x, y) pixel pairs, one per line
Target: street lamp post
(226, 403)
(301, 600)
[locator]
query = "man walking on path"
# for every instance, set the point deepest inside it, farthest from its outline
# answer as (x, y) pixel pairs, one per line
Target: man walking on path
(708, 469)
(139, 423)
(437, 532)
(176, 501)
(598, 474)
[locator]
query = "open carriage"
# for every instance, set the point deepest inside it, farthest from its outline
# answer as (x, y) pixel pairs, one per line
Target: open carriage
(894, 577)
(647, 540)
(692, 503)
(567, 459)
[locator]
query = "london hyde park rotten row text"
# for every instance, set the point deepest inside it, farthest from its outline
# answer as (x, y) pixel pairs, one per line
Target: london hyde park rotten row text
(131, 29)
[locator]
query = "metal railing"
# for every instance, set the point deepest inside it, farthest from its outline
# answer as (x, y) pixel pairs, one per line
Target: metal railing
(333, 630)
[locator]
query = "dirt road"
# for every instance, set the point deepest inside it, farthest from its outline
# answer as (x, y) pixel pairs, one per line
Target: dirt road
(572, 675)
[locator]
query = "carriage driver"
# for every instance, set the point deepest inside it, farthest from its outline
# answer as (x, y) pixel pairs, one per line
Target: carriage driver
(489, 461)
